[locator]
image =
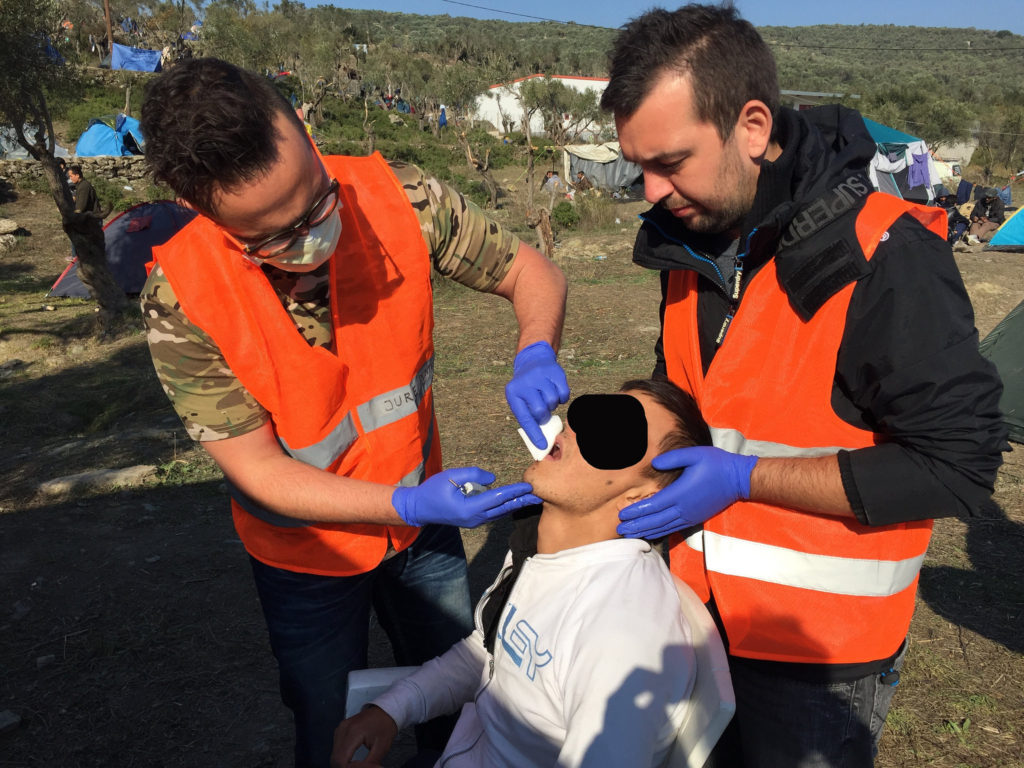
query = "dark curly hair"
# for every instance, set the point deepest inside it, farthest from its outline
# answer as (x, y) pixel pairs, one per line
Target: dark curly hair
(690, 428)
(728, 63)
(209, 126)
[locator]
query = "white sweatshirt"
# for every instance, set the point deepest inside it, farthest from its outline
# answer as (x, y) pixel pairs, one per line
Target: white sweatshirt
(593, 666)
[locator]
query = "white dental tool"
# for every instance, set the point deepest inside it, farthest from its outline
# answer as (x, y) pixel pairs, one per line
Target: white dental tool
(550, 429)
(469, 488)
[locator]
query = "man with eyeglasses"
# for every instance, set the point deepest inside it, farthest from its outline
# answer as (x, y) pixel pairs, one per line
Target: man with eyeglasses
(290, 324)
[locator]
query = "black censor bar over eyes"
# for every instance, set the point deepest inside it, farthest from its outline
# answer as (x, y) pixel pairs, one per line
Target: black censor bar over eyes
(611, 430)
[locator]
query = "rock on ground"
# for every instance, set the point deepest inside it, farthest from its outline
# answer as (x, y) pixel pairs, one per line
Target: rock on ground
(99, 478)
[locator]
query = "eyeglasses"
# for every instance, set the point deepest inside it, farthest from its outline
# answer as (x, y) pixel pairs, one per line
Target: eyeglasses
(278, 243)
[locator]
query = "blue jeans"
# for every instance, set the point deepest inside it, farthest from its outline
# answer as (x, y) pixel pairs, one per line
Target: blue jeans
(319, 628)
(782, 722)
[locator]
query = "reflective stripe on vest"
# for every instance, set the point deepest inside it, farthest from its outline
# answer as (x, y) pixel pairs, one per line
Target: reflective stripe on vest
(375, 413)
(822, 573)
(412, 479)
(391, 406)
(732, 440)
(325, 452)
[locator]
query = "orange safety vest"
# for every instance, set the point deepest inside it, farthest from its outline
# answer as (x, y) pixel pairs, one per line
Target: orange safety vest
(364, 408)
(791, 586)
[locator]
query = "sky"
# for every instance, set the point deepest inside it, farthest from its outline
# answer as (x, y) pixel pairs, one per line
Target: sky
(1004, 14)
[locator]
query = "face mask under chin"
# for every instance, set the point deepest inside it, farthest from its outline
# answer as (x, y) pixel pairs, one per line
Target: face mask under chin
(309, 252)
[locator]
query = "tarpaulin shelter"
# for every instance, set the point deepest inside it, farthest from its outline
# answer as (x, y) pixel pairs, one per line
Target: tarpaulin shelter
(902, 165)
(1004, 346)
(194, 30)
(111, 135)
(603, 164)
(10, 149)
(1009, 237)
(134, 59)
(130, 238)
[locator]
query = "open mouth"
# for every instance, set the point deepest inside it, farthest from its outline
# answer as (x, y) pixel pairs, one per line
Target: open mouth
(556, 450)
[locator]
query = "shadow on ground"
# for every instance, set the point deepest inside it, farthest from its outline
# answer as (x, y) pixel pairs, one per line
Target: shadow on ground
(129, 626)
(987, 598)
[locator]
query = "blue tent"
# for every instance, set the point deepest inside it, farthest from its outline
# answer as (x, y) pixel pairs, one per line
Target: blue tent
(1010, 235)
(100, 139)
(131, 132)
(135, 59)
(120, 135)
(129, 241)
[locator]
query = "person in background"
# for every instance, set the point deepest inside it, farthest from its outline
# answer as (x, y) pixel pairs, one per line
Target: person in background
(86, 200)
(955, 222)
(986, 216)
(582, 183)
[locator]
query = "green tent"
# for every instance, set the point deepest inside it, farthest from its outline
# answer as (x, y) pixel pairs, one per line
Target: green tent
(1004, 346)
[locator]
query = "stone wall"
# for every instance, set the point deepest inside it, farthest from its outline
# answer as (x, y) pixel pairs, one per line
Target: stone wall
(128, 168)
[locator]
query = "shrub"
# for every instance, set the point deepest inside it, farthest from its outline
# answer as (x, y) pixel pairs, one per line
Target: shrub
(596, 211)
(565, 215)
(110, 193)
(98, 100)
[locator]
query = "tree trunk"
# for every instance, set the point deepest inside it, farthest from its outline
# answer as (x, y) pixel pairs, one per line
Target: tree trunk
(85, 231)
(492, 189)
(86, 234)
(483, 168)
(530, 177)
(368, 127)
(547, 239)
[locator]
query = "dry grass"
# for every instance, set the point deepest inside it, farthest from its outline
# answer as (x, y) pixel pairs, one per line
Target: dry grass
(143, 599)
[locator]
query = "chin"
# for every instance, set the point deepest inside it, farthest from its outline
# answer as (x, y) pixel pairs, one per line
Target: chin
(535, 477)
(529, 472)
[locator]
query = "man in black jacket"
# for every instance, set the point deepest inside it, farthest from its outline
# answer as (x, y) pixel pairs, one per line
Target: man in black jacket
(86, 200)
(830, 343)
(986, 216)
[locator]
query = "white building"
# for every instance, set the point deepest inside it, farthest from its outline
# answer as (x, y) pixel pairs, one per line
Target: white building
(500, 105)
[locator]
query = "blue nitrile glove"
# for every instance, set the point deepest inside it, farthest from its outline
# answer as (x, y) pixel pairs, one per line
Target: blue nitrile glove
(538, 385)
(436, 500)
(712, 479)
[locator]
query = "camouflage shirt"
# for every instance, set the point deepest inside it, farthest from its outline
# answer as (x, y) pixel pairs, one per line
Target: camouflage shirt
(464, 245)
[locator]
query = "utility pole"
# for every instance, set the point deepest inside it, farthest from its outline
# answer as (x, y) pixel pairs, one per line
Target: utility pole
(110, 35)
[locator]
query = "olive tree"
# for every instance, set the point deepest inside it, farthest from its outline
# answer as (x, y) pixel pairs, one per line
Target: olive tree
(33, 71)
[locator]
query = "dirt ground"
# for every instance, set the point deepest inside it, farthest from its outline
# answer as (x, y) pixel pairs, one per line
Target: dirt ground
(130, 633)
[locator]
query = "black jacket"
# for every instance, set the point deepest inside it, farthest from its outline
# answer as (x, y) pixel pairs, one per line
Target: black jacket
(86, 200)
(994, 210)
(908, 365)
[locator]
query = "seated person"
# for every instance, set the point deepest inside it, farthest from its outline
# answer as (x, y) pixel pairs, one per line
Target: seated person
(580, 655)
(986, 216)
(956, 222)
(553, 184)
(582, 183)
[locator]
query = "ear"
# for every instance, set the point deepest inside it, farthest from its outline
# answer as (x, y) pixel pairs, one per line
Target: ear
(754, 128)
(642, 490)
